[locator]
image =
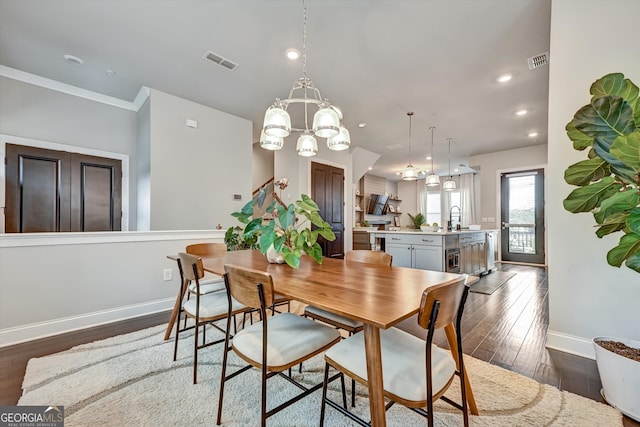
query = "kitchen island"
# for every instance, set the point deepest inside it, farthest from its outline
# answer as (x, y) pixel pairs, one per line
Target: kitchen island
(465, 251)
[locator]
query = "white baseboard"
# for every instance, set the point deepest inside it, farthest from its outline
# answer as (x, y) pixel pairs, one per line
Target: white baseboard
(570, 344)
(34, 331)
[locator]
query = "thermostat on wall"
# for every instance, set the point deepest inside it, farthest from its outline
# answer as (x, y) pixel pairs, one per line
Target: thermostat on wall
(237, 197)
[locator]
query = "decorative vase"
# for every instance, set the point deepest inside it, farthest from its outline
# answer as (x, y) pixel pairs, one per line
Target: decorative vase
(274, 257)
(620, 377)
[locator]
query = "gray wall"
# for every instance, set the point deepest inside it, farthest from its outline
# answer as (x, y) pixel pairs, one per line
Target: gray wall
(196, 172)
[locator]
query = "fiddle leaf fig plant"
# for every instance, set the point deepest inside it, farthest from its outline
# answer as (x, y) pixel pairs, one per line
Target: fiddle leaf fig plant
(287, 228)
(609, 180)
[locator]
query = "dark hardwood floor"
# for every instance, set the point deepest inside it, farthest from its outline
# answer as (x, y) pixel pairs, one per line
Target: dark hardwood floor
(507, 328)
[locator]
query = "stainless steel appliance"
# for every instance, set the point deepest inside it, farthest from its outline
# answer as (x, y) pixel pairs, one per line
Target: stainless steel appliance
(452, 260)
(491, 251)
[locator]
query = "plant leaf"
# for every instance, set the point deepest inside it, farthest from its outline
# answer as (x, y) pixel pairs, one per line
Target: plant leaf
(327, 233)
(585, 199)
(290, 257)
(629, 246)
(253, 227)
(618, 202)
(262, 195)
(267, 237)
(286, 217)
(633, 262)
(307, 203)
(633, 220)
(580, 140)
(626, 148)
(616, 84)
(586, 171)
(605, 118)
(315, 252)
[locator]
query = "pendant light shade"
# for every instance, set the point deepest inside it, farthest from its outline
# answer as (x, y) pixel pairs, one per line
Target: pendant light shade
(432, 179)
(341, 141)
(326, 123)
(307, 145)
(270, 142)
(409, 173)
(277, 122)
(449, 184)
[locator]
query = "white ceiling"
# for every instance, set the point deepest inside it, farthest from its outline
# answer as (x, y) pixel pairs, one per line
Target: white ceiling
(374, 59)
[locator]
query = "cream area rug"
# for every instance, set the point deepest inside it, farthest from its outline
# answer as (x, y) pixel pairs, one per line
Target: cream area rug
(132, 380)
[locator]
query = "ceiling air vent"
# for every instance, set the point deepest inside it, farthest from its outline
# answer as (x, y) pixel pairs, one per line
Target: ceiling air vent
(538, 60)
(220, 60)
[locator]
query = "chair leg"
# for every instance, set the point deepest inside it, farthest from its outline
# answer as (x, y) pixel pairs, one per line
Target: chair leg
(195, 354)
(223, 375)
(324, 393)
(175, 347)
(353, 393)
(263, 406)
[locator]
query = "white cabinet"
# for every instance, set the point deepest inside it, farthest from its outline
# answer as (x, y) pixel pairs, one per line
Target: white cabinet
(416, 251)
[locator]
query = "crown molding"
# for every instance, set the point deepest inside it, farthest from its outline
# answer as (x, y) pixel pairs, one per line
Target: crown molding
(33, 79)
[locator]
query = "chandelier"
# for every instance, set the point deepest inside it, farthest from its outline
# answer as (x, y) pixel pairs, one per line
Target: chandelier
(326, 120)
(449, 184)
(432, 179)
(409, 173)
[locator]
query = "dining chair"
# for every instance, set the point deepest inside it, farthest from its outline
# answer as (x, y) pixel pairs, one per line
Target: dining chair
(210, 282)
(213, 282)
(203, 309)
(415, 372)
(274, 344)
(351, 326)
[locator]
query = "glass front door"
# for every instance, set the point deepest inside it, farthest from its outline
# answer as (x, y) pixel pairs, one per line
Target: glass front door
(522, 219)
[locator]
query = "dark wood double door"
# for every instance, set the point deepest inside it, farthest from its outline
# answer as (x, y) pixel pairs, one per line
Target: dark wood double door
(327, 190)
(50, 190)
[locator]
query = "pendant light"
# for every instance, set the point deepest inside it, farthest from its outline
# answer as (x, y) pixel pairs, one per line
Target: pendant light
(449, 184)
(433, 179)
(410, 173)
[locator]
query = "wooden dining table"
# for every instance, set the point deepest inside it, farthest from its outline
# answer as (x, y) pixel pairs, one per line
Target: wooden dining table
(378, 296)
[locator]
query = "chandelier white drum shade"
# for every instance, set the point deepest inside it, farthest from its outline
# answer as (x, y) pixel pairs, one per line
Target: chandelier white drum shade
(326, 120)
(432, 179)
(409, 173)
(270, 142)
(449, 184)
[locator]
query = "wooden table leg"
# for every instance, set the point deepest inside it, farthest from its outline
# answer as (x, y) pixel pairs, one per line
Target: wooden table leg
(450, 331)
(175, 311)
(374, 374)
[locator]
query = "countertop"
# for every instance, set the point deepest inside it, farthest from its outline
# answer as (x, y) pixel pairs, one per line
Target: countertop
(412, 231)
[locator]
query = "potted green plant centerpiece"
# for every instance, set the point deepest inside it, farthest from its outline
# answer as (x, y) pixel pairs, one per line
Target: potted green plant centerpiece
(608, 184)
(285, 232)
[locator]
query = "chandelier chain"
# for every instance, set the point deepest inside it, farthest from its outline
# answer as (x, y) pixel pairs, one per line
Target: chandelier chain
(304, 40)
(410, 114)
(432, 129)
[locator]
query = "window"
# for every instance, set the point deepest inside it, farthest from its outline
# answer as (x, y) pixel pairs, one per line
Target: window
(433, 211)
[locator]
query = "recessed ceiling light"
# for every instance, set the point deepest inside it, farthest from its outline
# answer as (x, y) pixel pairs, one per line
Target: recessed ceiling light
(73, 59)
(362, 125)
(292, 54)
(504, 78)
(456, 170)
(521, 112)
(428, 157)
(109, 73)
(370, 168)
(532, 134)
